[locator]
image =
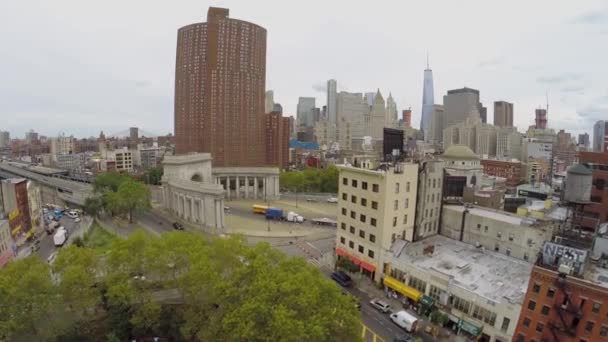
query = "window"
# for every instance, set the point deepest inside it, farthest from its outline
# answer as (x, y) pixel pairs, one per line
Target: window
(361, 249)
(434, 183)
(362, 218)
(370, 253)
(407, 203)
(589, 326)
(531, 305)
(374, 205)
(526, 256)
(405, 219)
(342, 240)
(375, 188)
(505, 324)
(362, 233)
(345, 181)
(364, 202)
(396, 205)
(540, 327)
(353, 214)
(343, 225)
(499, 235)
(604, 330)
(511, 236)
(353, 199)
(407, 187)
(353, 183)
(478, 226)
(396, 188)
(496, 247)
(418, 284)
(344, 196)
(351, 244)
(352, 230)
(364, 185)
(509, 251)
(526, 322)
(344, 211)
(551, 293)
(372, 221)
(596, 307)
(536, 288)
(372, 237)
(520, 338)
(545, 310)
(485, 229)
(395, 221)
(461, 304)
(483, 314)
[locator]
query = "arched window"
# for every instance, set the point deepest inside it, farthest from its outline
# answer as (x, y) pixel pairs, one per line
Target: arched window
(197, 177)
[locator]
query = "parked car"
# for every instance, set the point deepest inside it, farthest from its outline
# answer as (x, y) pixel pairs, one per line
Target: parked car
(178, 226)
(311, 200)
(341, 278)
(380, 305)
(227, 209)
(332, 200)
(77, 219)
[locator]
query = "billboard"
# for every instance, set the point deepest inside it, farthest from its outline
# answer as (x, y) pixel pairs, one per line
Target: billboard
(555, 254)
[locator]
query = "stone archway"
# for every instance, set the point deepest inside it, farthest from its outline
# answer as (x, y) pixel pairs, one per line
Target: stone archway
(197, 177)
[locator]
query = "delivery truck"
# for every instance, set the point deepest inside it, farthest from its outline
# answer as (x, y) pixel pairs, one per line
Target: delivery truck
(274, 214)
(405, 320)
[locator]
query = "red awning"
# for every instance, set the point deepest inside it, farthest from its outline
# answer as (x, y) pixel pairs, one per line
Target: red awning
(368, 266)
(355, 260)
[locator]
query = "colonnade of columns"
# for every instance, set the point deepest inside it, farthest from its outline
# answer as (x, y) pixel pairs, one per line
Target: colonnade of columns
(251, 187)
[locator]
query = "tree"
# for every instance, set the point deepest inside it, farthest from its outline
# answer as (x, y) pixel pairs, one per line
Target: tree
(155, 174)
(133, 196)
(109, 181)
(93, 205)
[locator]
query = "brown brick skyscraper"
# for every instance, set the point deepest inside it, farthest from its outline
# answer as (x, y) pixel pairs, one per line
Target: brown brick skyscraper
(220, 77)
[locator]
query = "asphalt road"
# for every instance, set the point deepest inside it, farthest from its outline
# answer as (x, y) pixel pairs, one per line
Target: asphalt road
(47, 247)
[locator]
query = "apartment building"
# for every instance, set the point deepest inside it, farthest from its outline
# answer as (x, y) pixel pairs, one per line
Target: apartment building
(376, 208)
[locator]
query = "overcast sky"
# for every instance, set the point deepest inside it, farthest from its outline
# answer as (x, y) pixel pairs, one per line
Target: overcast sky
(83, 66)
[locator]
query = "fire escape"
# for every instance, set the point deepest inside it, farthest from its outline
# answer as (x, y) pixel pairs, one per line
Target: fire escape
(569, 314)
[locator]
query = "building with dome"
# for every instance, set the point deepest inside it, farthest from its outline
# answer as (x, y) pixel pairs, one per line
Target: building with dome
(462, 168)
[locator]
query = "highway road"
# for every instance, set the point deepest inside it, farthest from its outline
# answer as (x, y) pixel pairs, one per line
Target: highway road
(47, 247)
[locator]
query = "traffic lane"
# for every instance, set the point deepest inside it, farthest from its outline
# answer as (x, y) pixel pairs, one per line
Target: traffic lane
(377, 321)
(154, 222)
(47, 245)
(248, 213)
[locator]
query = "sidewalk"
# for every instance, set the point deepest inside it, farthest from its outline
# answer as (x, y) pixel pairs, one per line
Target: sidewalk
(366, 286)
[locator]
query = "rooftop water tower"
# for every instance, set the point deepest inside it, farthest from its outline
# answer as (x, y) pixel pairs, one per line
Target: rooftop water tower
(578, 184)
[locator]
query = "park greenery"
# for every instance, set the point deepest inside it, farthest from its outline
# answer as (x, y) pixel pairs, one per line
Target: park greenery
(310, 180)
(180, 287)
(117, 194)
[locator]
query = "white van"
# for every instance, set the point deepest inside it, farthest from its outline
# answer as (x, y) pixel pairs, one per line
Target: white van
(405, 320)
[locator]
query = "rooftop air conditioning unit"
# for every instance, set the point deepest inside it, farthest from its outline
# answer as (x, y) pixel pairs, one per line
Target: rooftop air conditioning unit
(565, 269)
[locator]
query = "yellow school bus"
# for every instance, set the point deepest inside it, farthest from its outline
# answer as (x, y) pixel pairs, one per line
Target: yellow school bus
(259, 209)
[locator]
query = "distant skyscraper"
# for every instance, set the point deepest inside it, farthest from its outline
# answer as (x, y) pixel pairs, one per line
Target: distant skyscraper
(220, 84)
(428, 100)
(391, 112)
(31, 136)
(503, 114)
(600, 136)
(460, 104)
(5, 139)
(369, 98)
(483, 113)
(276, 107)
(269, 101)
(332, 91)
(407, 117)
(305, 113)
(541, 118)
(583, 140)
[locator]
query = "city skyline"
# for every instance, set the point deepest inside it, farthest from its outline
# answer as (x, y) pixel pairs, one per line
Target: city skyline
(104, 83)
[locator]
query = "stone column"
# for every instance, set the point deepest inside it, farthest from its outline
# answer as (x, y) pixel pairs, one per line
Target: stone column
(277, 189)
(246, 187)
(265, 187)
(193, 211)
(238, 192)
(255, 187)
(228, 187)
(201, 208)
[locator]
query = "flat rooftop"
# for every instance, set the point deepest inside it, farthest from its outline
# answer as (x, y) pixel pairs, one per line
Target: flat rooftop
(488, 274)
(489, 213)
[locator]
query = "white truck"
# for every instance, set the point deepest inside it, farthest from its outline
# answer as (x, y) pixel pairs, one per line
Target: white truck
(60, 237)
(294, 217)
(405, 320)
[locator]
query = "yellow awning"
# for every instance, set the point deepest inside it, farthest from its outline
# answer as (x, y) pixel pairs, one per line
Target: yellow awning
(402, 288)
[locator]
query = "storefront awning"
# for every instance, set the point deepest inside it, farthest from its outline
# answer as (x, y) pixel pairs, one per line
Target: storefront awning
(469, 327)
(364, 264)
(400, 287)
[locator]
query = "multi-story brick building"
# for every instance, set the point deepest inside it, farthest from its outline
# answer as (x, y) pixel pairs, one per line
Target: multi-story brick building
(512, 170)
(375, 208)
(597, 211)
(428, 202)
(220, 79)
(277, 140)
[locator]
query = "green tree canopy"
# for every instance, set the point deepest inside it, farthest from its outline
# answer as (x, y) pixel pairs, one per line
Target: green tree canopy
(310, 180)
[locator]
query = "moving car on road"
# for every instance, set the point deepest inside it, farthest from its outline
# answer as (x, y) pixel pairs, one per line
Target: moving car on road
(380, 305)
(332, 200)
(178, 226)
(341, 278)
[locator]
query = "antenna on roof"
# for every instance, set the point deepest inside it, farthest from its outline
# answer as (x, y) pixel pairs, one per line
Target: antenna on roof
(427, 61)
(547, 99)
